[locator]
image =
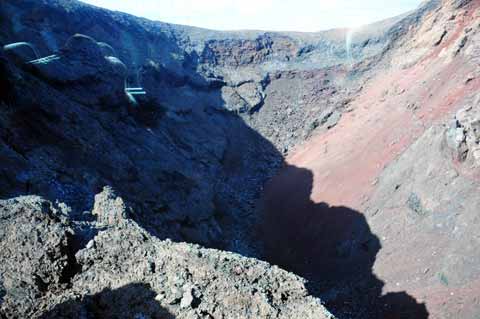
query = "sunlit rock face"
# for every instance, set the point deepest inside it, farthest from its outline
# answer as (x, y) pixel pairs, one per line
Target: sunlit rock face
(349, 157)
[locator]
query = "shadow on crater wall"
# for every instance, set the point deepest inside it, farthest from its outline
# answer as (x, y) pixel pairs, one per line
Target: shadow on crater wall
(333, 247)
(179, 157)
(185, 170)
(327, 245)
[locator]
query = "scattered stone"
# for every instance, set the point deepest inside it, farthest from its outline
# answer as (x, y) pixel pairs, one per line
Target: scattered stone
(187, 276)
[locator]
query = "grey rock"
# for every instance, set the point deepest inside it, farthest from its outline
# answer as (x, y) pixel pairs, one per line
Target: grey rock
(463, 133)
(37, 254)
(191, 165)
(113, 279)
(188, 161)
(81, 46)
(109, 208)
(252, 93)
(90, 244)
(2, 292)
(415, 204)
(233, 101)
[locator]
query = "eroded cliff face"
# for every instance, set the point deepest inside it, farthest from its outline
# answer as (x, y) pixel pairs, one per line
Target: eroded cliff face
(185, 126)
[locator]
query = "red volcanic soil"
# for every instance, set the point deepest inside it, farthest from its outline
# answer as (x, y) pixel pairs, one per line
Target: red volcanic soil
(314, 221)
(348, 158)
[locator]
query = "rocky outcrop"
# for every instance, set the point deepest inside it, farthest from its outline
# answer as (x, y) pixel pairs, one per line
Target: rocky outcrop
(109, 208)
(124, 272)
(464, 134)
(36, 252)
(182, 66)
(241, 52)
(385, 175)
(246, 98)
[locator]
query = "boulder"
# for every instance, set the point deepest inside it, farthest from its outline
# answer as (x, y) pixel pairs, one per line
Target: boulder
(245, 98)
(463, 135)
(233, 101)
(252, 93)
(116, 67)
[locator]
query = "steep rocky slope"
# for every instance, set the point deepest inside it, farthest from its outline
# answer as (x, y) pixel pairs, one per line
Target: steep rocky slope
(71, 129)
(372, 135)
(125, 272)
(388, 199)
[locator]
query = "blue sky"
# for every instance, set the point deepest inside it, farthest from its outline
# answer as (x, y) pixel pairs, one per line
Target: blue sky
(274, 15)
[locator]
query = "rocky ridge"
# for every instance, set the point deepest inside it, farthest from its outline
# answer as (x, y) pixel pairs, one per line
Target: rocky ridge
(123, 271)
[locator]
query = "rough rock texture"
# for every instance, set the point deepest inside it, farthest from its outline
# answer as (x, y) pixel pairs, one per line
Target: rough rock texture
(463, 135)
(191, 64)
(36, 253)
(125, 272)
(109, 208)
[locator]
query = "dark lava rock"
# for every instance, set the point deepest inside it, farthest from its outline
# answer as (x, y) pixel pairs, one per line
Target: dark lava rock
(36, 253)
(124, 272)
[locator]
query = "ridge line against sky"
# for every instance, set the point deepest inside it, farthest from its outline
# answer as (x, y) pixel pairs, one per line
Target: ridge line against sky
(271, 15)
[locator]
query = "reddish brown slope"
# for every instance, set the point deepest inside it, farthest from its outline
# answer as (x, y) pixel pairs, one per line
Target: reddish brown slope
(383, 158)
